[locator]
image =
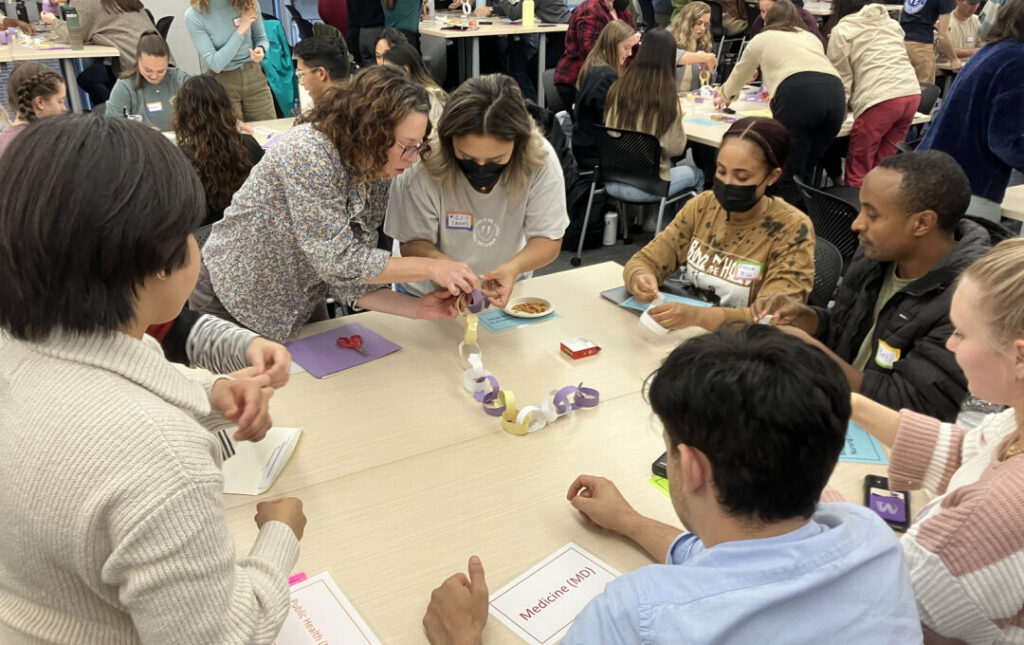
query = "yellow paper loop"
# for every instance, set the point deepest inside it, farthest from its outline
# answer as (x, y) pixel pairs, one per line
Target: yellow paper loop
(472, 321)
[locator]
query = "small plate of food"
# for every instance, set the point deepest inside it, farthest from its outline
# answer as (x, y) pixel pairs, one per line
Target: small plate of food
(528, 307)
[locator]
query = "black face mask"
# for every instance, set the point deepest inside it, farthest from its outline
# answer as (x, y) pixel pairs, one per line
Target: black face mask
(481, 176)
(620, 5)
(735, 198)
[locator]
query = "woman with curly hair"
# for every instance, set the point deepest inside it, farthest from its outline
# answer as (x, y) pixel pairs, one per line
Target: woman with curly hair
(304, 225)
(204, 125)
(492, 194)
(35, 92)
(691, 28)
(231, 41)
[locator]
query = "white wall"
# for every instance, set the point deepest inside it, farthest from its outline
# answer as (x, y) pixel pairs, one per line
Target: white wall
(181, 45)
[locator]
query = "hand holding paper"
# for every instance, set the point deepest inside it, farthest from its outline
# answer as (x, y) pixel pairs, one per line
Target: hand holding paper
(785, 311)
(282, 509)
(497, 285)
(243, 399)
(643, 286)
(453, 277)
(270, 358)
(438, 305)
(458, 608)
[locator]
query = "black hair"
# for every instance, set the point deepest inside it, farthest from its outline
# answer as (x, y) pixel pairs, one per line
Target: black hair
(768, 410)
(328, 53)
(393, 36)
(932, 180)
(768, 135)
(89, 209)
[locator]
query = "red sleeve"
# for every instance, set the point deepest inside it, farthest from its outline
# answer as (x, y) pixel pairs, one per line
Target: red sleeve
(159, 331)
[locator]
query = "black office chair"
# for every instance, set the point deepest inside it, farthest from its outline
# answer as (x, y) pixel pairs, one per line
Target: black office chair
(631, 158)
(828, 270)
(832, 217)
(305, 27)
(151, 18)
(163, 26)
(552, 100)
(929, 95)
(726, 57)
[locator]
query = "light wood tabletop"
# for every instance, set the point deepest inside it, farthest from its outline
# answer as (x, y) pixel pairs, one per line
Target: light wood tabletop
(403, 476)
(701, 125)
(1013, 203)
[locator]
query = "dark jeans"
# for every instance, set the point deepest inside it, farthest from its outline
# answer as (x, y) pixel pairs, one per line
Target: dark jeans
(813, 124)
(97, 81)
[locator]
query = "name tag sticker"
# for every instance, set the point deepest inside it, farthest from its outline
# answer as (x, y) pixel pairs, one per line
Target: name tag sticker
(970, 39)
(454, 220)
(236, 22)
(747, 271)
(886, 356)
(155, 106)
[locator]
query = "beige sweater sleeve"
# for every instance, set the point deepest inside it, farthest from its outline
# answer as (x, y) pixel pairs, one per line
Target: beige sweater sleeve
(744, 69)
(174, 564)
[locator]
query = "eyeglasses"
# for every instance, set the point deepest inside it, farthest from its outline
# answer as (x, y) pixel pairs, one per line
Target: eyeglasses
(299, 73)
(411, 152)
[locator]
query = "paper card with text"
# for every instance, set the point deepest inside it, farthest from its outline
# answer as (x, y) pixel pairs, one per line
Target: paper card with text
(254, 466)
(541, 604)
(320, 613)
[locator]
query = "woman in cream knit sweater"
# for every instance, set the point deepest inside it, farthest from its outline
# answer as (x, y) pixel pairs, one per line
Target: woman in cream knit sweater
(807, 93)
(110, 482)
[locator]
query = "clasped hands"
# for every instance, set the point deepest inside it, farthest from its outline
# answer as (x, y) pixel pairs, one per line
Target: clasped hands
(244, 397)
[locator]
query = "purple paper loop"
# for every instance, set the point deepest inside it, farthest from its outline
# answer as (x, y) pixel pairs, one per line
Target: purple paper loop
(484, 396)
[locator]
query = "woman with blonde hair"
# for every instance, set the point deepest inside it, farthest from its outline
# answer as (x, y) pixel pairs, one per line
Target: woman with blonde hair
(691, 28)
(602, 67)
(304, 224)
(231, 41)
(964, 551)
(490, 192)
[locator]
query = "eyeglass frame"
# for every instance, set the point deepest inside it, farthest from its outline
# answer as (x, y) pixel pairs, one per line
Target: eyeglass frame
(420, 148)
(300, 73)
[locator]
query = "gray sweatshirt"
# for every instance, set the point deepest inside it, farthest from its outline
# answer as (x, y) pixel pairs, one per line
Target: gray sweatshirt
(155, 103)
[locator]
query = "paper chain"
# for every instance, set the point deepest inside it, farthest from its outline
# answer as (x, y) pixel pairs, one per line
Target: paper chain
(502, 403)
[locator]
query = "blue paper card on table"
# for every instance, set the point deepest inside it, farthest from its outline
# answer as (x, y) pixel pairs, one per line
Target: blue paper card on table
(636, 305)
(496, 320)
(704, 122)
(861, 447)
(321, 356)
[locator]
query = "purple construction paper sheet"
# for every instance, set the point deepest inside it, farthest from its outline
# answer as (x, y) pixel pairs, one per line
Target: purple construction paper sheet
(320, 355)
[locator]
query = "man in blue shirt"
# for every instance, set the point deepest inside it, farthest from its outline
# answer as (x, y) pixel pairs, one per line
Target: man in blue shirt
(754, 421)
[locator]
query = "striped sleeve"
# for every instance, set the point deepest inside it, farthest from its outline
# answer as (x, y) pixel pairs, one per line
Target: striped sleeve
(218, 345)
(966, 559)
(925, 454)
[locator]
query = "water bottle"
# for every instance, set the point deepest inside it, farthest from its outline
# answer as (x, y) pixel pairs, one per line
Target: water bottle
(528, 13)
(74, 28)
(611, 218)
(431, 10)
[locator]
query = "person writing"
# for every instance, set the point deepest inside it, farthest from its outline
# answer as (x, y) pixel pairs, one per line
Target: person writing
(147, 89)
(490, 193)
(735, 242)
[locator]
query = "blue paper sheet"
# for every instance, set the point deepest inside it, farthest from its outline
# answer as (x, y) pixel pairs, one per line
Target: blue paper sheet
(636, 305)
(862, 448)
(706, 122)
(496, 320)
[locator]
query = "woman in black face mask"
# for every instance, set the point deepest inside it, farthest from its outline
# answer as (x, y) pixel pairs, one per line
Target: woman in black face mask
(734, 240)
(489, 193)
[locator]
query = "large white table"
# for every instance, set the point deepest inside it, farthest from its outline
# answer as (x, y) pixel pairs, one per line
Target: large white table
(711, 135)
(20, 52)
(496, 27)
(403, 476)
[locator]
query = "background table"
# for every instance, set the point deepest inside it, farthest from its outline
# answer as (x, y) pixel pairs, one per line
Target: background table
(497, 27)
(19, 52)
(711, 135)
(403, 476)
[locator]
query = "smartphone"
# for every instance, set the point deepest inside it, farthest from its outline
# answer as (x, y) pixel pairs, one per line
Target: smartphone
(660, 465)
(893, 506)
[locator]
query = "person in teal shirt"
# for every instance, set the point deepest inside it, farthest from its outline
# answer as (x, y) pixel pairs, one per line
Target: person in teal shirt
(232, 42)
(405, 15)
(146, 91)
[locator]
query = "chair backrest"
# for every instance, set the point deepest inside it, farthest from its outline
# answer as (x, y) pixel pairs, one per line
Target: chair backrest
(828, 269)
(929, 95)
(202, 234)
(632, 158)
(717, 30)
(907, 146)
(831, 216)
(151, 18)
(304, 26)
(552, 100)
(163, 26)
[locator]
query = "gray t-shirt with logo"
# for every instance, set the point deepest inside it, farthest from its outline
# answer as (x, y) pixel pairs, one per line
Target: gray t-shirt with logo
(483, 230)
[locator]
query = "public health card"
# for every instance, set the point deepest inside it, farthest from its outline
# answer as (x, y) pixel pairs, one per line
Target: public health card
(541, 604)
(320, 613)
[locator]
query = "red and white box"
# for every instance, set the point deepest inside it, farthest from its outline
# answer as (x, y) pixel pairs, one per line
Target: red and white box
(579, 347)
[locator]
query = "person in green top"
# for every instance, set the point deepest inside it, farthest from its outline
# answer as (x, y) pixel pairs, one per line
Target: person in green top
(404, 15)
(146, 91)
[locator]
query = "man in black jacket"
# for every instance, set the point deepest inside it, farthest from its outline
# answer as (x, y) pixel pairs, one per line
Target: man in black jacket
(890, 321)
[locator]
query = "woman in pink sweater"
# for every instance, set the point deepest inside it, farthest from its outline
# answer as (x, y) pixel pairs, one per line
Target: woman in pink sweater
(965, 550)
